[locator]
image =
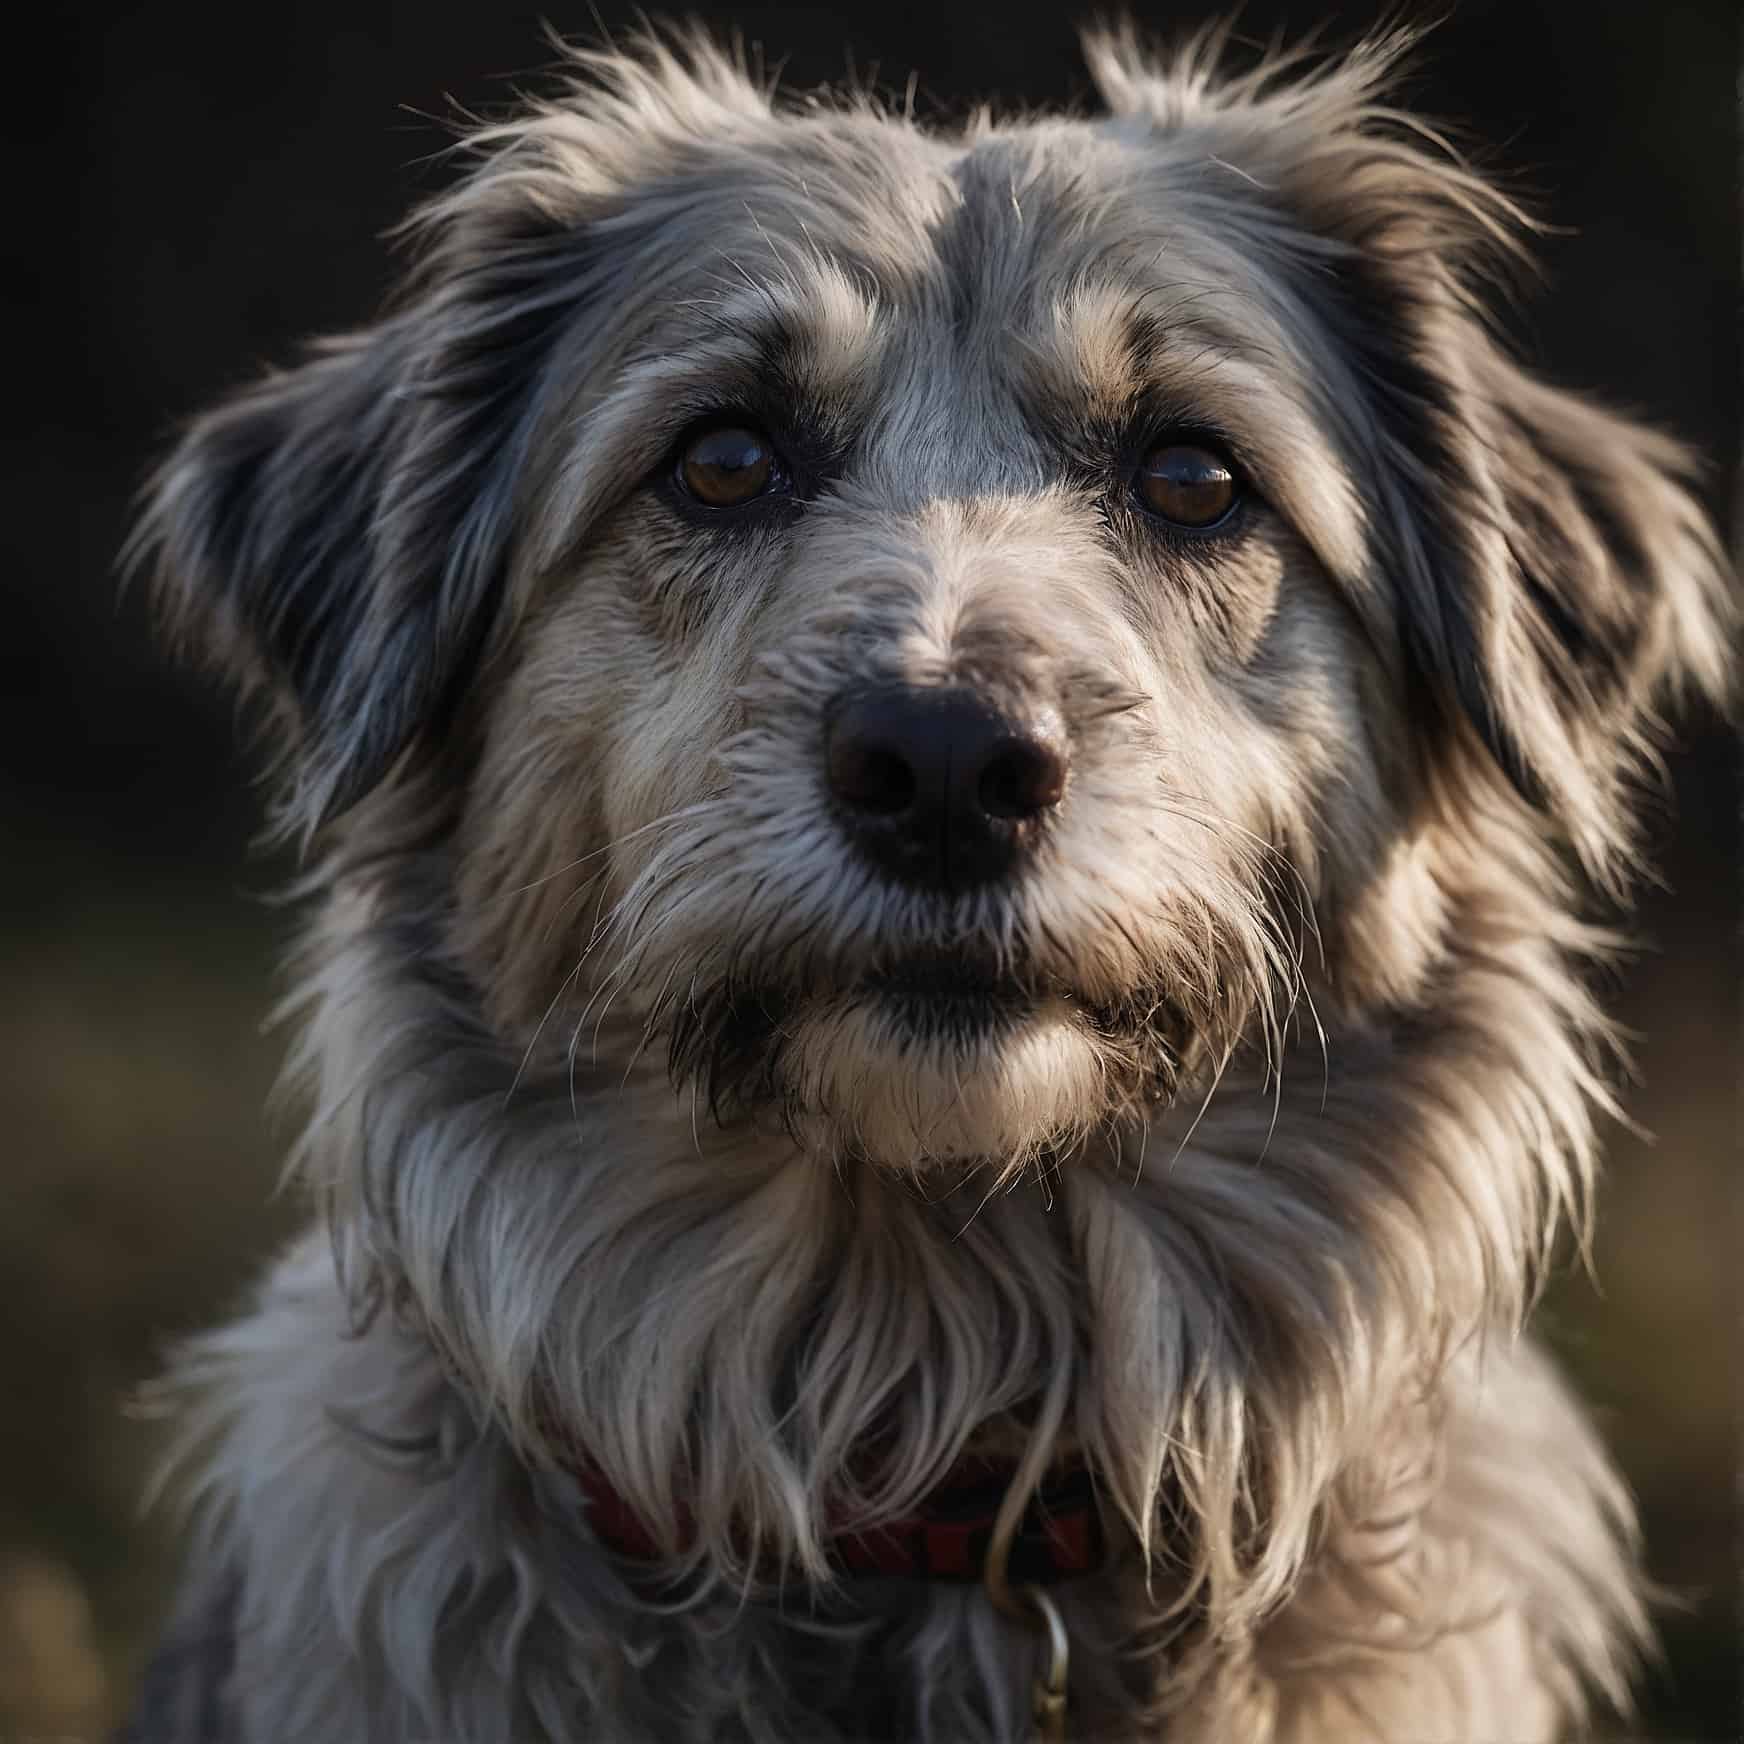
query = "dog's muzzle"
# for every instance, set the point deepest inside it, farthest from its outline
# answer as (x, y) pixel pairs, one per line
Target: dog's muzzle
(939, 788)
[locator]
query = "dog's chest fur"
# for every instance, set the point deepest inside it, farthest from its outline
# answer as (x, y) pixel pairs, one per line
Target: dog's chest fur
(1351, 1528)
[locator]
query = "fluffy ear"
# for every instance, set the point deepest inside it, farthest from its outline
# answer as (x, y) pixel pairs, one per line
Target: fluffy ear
(1548, 574)
(336, 537)
(1594, 585)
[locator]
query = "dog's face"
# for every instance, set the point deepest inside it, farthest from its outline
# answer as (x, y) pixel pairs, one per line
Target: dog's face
(947, 658)
(950, 637)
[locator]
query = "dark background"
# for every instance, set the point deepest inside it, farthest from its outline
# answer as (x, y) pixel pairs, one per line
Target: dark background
(194, 187)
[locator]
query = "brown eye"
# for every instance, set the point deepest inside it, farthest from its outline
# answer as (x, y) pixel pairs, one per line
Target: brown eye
(1187, 484)
(726, 467)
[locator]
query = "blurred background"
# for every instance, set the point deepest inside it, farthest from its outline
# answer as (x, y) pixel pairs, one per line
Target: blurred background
(201, 185)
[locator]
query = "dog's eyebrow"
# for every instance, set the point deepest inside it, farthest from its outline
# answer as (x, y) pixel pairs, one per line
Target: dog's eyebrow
(1109, 354)
(819, 338)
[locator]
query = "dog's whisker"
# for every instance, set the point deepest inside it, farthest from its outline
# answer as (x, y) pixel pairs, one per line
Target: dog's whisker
(533, 1041)
(667, 821)
(600, 881)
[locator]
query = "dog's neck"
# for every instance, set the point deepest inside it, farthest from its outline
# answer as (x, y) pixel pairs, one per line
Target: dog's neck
(1223, 1308)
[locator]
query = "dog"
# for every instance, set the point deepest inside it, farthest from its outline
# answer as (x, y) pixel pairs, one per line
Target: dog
(954, 781)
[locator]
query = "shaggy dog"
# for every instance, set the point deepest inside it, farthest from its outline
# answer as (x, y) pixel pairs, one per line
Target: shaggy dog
(949, 776)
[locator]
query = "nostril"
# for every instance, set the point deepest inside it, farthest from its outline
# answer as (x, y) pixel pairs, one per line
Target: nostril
(871, 777)
(1022, 778)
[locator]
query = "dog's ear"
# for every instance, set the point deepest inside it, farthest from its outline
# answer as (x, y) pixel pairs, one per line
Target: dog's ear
(336, 536)
(1548, 575)
(1587, 577)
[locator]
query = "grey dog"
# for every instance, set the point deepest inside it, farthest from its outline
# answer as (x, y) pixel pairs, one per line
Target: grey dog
(952, 780)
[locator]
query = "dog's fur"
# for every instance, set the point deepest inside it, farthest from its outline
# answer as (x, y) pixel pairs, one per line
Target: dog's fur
(619, 1154)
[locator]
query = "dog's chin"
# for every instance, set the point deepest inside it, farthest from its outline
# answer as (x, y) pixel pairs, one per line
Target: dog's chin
(932, 1060)
(910, 1082)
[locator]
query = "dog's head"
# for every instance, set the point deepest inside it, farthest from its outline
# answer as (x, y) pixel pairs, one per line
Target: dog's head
(950, 634)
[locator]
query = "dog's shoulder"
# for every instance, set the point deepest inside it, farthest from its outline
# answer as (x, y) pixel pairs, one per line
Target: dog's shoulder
(184, 1695)
(301, 1430)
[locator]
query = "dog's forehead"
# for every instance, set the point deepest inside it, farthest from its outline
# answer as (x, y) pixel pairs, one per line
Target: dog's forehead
(991, 248)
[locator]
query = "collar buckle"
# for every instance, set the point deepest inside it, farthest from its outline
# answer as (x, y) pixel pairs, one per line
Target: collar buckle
(1032, 1605)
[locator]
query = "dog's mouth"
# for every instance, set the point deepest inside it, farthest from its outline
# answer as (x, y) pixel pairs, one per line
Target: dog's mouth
(965, 990)
(961, 981)
(917, 1017)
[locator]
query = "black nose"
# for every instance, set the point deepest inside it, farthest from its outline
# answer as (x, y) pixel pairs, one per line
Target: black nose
(936, 786)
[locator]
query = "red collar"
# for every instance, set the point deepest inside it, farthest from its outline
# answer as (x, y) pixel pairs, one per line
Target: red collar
(946, 1539)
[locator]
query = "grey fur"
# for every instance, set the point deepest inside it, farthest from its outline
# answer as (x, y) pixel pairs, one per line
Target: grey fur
(1247, 1211)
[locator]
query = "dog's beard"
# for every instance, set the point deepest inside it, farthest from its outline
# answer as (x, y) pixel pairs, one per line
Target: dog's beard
(932, 1056)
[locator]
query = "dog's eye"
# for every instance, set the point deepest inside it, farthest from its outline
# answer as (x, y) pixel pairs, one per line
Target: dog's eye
(728, 466)
(1186, 484)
